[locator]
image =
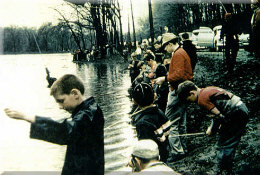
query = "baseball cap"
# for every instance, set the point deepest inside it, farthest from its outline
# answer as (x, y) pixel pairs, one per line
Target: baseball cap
(143, 94)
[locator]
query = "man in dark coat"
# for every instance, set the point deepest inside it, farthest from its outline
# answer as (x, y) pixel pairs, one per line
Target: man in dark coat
(255, 24)
(82, 132)
(190, 49)
(230, 29)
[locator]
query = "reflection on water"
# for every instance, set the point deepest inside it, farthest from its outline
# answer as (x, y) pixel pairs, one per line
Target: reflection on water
(24, 87)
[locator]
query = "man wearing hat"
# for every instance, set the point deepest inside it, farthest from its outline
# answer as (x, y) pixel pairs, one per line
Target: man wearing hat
(145, 159)
(179, 70)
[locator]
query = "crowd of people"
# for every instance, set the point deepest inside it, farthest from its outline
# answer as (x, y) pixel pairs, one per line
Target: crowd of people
(161, 89)
(86, 55)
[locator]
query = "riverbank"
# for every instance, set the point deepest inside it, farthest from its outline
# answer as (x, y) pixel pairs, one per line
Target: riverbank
(24, 53)
(112, 59)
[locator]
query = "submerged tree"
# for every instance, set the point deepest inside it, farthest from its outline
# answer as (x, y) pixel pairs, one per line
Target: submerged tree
(101, 16)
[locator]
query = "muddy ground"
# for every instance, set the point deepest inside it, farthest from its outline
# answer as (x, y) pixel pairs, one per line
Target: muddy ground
(244, 82)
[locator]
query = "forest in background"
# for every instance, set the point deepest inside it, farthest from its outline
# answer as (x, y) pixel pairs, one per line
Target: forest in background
(190, 16)
(98, 23)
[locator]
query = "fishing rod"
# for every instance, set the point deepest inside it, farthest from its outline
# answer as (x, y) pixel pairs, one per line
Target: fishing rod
(48, 78)
(36, 43)
(222, 5)
(189, 134)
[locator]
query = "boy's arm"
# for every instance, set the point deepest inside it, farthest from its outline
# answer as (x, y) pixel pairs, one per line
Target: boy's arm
(213, 127)
(48, 129)
(218, 118)
(217, 114)
(18, 115)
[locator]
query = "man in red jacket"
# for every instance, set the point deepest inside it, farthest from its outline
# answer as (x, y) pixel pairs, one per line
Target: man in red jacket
(179, 70)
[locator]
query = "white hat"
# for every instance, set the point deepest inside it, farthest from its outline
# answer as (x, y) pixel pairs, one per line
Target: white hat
(146, 149)
(167, 37)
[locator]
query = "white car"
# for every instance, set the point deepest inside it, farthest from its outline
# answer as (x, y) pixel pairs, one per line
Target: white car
(244, 40)
(218, 43)
(205, 37)
(194, 37)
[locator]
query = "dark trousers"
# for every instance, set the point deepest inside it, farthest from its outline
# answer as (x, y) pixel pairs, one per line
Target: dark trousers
(231, 49)
(230, 135)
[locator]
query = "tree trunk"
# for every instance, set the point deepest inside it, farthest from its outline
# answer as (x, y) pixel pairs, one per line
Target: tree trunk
(133, 23)
(121, 30)
(151, 23)
(100, 39)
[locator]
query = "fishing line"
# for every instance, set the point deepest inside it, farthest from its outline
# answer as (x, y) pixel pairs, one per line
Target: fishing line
(222, 6)
(48, 78)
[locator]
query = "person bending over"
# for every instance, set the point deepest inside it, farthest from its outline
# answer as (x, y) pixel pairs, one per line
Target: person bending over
(229, 118)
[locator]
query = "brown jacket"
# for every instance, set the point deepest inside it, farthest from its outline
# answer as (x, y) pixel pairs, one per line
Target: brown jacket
(179, 68)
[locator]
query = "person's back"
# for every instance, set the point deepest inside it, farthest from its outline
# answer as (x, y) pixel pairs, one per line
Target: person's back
(229, 26)
(191, 51)
(133, 68)
(158, 167)
(161, 90)
(148, 121)
(230, 29)
(149, 118)
(255, 28)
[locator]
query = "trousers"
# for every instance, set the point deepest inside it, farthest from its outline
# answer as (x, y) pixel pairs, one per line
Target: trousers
(176, 112)
(229, 137)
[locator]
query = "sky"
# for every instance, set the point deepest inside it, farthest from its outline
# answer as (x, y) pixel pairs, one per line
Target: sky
(33, 13)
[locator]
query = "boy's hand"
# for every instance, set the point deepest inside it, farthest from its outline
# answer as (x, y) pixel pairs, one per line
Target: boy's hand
(18, 115)
(159, 80)
(14, 114)
(208, 132)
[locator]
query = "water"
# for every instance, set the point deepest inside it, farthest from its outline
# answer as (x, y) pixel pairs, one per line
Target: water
(24, 87)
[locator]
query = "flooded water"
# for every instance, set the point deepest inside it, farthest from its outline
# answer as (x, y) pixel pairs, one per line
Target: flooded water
(24, 87)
